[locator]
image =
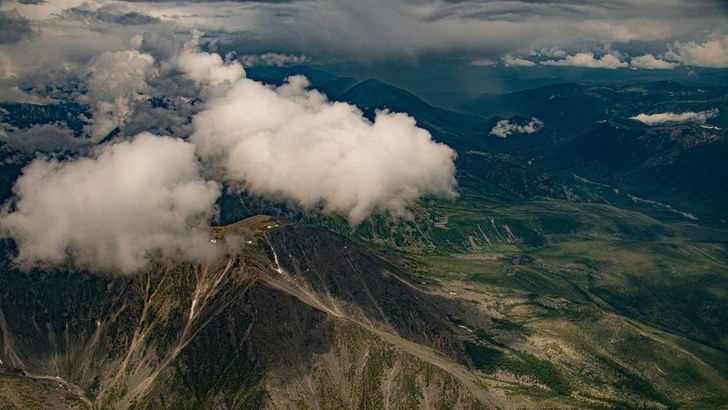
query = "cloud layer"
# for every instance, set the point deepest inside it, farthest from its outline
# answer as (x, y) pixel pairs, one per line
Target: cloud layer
(367, 31)
(116, 210)
(669, 117)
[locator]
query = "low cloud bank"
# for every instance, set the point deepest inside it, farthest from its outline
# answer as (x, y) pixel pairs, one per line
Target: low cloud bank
(669, 117)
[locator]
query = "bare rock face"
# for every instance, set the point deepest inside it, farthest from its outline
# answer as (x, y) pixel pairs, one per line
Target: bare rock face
(299, 317)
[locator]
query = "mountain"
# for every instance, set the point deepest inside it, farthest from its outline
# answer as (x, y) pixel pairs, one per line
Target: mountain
(532, 289)
(516, 178)
(324, 328)
(295, 316)
(460, 131)
(570, 109)
(23, 115)
(567, 105)
(518, 135)
(680, 165)
(333, 89)
(277, 75)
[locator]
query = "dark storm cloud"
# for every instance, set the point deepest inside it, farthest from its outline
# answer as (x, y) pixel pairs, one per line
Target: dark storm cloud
(109, 14)
(408, 29)
(14, 27)
(386, 30)
(526, 9)
(218, 1)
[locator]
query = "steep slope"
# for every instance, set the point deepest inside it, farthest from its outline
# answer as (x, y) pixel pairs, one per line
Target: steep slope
(300, 310)
(298, 317)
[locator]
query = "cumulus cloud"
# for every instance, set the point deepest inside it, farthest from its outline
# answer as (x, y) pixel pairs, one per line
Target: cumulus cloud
(207, 70)
(511, 61)
(117, 81)
(587, 60)
(713, 54)
(504, 128)
(669, 117)
(272, 60)
(648, 61)
(290, 143)
(116, 210)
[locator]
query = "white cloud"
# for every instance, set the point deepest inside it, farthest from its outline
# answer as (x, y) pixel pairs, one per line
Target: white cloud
(125, 205)
(290, 143)
(116, 82)
(668, 117)
(207, 70)
(511, 61)
(272, 60)
(587, 60)
(648, 61)
(504, 128)
(713, 54)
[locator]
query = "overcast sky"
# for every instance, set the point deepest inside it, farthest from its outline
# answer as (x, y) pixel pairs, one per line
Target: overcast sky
(659, 33)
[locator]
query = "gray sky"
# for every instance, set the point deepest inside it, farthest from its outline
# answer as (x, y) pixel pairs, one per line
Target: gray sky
(689, 32)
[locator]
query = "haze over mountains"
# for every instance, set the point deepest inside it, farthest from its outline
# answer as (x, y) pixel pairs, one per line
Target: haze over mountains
(347, 205)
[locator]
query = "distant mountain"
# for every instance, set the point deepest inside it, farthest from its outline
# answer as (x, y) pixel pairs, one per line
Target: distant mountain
(461, 131)
(23, 115)
(513, 176)
(681, 165)
(518, 135)
(278, 75)
(333, 89)
(570, 109)
(567, 106)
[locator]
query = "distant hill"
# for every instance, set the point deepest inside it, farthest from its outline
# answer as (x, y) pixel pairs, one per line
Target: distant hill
(518, 141)
(682, 165)
(461, 131)
(278, 75)
(571, 109)
(333, 89)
